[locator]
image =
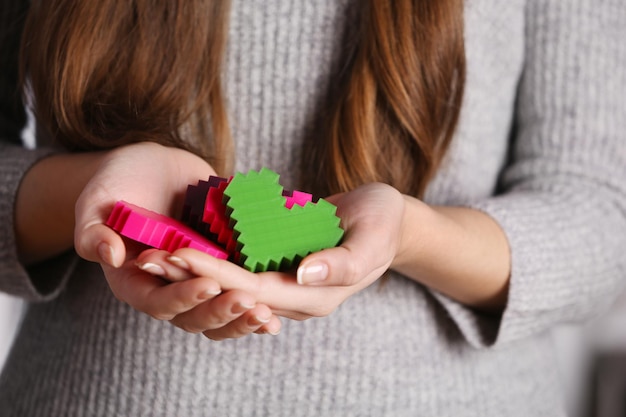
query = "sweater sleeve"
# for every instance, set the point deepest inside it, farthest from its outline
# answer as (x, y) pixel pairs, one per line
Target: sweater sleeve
(37, 282)
(562, 195)
(40, 281)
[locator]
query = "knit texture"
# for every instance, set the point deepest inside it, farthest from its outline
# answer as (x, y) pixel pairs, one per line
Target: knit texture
(540, 148)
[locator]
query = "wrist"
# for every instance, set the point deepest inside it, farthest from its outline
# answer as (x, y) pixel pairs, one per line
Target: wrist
(411, 242)
(457, 251)
(44, 208)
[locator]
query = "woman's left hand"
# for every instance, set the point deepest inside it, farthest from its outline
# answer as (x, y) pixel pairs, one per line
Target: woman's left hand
(371, 216)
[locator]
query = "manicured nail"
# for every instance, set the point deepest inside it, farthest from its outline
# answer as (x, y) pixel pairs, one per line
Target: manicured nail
(256, 320)
(179, 262)
(241, 308)
(151, 268)
(106, 253)
(273, 333)
(313, 272)
(209, 293)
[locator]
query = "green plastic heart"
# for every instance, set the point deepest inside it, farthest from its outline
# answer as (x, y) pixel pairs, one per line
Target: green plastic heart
(269, 235)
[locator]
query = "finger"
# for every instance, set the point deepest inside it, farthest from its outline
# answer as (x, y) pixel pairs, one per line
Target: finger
(155, 297)
(159, 263)
(99, 243)
(216, 313)
(227, 274)
(278, 290)
(250, 322)
(92, 239)
(360, 257)
(273, 327)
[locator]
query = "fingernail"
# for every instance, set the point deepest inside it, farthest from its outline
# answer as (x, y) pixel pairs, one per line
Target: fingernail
(152, 268)
(273, 333)
(241, 308)
(209, 293)
(179, 262)
(106, 253)
(256, 320)
(314, 272)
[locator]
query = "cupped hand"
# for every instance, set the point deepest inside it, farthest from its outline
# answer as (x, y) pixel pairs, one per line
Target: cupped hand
(371, 216)
(163, 287)
(146, 174)
(156, 177)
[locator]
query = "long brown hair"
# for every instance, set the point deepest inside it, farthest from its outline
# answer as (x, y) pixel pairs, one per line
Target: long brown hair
(126, 71)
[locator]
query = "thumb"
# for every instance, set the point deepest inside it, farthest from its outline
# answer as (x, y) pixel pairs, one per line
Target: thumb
(99, 243)
(359, 258)
(95, 241)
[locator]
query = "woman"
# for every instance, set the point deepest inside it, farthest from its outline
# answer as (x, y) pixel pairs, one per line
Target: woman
(503, 213)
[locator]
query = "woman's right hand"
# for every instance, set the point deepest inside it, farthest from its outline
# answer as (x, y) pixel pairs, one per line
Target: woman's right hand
(146, 174)
(156, 178)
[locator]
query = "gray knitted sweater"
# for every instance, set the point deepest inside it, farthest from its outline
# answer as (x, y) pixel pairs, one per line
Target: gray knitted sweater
(541, 147)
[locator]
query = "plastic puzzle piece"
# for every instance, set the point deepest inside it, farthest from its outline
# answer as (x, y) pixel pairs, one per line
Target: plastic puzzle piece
(270, 236)
(194, 205)
(159, 231)
(215, 215)
(296, 197)
(215, 212)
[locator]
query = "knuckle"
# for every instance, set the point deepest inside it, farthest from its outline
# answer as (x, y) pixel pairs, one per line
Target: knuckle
(219, 320)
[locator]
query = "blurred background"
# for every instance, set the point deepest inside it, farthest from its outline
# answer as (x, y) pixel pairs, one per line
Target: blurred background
(592, 358)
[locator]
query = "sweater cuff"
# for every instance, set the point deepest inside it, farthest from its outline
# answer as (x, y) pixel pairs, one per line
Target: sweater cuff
(552, 281)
